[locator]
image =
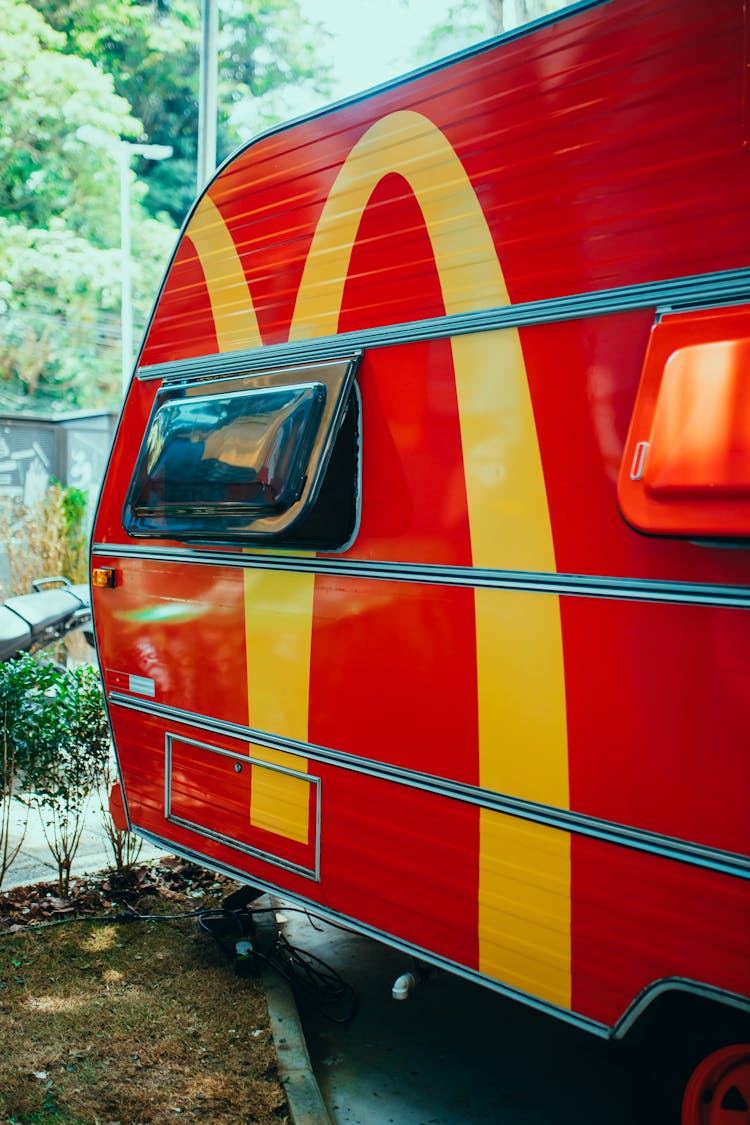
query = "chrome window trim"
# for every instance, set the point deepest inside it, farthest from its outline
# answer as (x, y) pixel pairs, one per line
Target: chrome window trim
(312, 873)
(337, 377)
(565, 820)
(697, 291)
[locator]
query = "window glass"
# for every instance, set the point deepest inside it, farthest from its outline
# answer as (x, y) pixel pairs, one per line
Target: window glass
(242, 458)
(246, 452)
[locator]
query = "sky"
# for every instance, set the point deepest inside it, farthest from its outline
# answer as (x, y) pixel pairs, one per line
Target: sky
(374, 40)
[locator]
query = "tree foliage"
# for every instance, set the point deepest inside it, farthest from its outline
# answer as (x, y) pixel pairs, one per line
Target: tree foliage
(115, 70)
(469, 21)
(150, 48)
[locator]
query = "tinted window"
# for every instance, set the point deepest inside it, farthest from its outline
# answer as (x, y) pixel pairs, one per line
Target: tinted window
(245, 457)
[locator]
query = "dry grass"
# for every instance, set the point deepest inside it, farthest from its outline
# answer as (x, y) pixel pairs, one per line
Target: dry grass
(139, 1023)
(39, 545)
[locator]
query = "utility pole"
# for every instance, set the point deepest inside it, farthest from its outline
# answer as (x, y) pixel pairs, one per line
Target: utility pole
(207, 104)
(124, 152)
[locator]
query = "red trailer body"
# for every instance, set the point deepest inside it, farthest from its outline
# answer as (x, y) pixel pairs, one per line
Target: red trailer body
(427, 521)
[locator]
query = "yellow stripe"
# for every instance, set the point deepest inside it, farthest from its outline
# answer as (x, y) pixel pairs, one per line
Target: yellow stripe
(521, 692)
(278, 607)
(524, 881)
(235, 322)
(278, 631)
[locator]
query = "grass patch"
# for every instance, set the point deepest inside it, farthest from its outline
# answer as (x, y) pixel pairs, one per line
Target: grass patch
(115, 1024)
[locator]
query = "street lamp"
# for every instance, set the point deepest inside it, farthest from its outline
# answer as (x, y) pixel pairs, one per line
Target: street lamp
(124, 152)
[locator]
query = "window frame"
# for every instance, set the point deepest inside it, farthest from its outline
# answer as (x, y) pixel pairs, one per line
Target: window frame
(241, 521)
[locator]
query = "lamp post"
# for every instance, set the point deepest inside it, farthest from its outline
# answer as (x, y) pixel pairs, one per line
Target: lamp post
(124, 152)
(207, 97)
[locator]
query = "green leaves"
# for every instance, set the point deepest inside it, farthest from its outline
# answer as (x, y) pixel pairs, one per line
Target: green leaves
(24, 715)
(73, 730)
(55, 730)
(56, 747)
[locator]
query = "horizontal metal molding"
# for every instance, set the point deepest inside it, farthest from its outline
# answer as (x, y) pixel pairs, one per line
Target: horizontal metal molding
(537, 582)
(602, 1031)
(213, 834)
(682, 851)
(694, 291)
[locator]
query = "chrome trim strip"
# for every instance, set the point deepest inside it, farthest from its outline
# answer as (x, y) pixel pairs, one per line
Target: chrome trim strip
(621, 835)
(328, 915)
(579, 585)
(676, 984)
(698, 290)
(212, 834)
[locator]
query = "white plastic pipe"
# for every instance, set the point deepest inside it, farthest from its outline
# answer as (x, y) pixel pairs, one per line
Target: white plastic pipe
(403, 985)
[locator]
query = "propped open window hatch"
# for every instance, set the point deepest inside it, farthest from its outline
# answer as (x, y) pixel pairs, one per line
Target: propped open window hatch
(686, 466)
(251, 458)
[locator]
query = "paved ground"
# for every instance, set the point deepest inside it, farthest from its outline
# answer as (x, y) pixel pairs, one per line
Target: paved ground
(454, 1053)
(35, 864)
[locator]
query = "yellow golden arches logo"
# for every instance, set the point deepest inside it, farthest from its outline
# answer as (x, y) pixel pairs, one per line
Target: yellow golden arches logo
(235, 322)
(524, 869)
(407, 143)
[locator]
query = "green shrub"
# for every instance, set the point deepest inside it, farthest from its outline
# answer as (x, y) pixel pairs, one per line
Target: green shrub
(27, 742)
(56, 747)
(74, 720)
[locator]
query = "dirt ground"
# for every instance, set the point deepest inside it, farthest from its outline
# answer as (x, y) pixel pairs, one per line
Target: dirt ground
(113, 1022)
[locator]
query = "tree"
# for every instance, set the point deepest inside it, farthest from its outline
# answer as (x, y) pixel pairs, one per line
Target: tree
(59, 218)
(45, 170)
(60, 305)
(150, 48)
(470, 21)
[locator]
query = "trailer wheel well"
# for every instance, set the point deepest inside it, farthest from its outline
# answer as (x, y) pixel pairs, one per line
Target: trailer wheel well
(673, 1035)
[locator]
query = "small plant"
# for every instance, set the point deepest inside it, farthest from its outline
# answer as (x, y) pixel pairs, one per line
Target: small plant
(124, 846)
(74, 721)
(26, 745)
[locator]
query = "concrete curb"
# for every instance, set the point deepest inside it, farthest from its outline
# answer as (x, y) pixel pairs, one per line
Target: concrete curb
(306, 1105)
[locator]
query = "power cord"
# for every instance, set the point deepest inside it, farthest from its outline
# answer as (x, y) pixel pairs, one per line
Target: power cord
(314, 980)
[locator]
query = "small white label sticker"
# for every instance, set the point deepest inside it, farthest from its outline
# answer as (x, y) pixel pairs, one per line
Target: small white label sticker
(142, 685)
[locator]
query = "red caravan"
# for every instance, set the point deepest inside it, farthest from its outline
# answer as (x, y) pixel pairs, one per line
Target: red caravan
(428, 521)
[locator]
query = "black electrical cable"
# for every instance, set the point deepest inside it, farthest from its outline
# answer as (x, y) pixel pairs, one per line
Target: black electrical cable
(314, 979)
(125, 916)
(302, 910)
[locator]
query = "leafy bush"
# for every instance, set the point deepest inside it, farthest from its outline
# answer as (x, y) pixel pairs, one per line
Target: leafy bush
(55, 752)
(74, 720)
(27, 744)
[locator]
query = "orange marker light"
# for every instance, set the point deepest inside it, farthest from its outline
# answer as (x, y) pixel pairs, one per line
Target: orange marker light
(104, 576)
